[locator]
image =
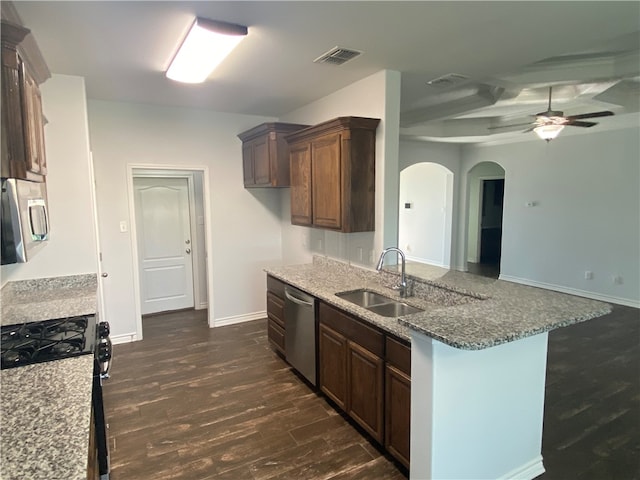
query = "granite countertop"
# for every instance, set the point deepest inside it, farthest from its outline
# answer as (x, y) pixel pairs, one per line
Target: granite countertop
(45, 412)
(45, 408)
(46, 298)
(460, 309)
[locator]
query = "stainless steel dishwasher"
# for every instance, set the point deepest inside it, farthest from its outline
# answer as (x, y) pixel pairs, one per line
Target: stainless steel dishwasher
(300, 332)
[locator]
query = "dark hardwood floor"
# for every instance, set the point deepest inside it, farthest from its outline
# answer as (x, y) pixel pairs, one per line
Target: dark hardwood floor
(485, 269)
(192, 403)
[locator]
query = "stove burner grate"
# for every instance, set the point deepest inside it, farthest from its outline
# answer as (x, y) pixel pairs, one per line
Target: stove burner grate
(46, 340)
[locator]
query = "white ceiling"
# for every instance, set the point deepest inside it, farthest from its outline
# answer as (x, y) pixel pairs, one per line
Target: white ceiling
(509, 52)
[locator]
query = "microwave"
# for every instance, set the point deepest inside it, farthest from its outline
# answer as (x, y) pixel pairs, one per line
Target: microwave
(24, 221)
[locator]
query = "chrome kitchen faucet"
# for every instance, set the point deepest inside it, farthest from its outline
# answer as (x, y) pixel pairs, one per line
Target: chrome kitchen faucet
(402, 287)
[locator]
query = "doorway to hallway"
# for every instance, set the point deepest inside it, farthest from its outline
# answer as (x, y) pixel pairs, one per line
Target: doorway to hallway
(486, 183)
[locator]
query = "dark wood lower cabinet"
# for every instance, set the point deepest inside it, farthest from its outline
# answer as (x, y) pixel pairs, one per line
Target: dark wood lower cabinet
(397, 414)
(365, 372)
(352, 368)
(332, 351)
(275, 314)
(366, 390)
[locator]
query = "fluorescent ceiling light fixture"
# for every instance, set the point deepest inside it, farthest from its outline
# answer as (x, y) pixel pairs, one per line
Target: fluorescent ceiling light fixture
(205, 46)
(548, 132)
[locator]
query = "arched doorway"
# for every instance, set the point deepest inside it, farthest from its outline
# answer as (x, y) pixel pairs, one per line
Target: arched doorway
(485, 193)
(425, 213)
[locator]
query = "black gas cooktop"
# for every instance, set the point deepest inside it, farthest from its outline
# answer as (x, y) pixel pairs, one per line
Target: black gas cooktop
(47, 340)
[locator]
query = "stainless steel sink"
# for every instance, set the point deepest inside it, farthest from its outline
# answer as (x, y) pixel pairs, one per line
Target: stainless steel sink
(377, 303)
(364, 298)
(394, 309)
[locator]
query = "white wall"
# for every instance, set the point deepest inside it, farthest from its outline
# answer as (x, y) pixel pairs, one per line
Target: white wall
(377, 96)
(71, 249)
(245, 223)
(586, 213)
(448, 156)
(424, 226)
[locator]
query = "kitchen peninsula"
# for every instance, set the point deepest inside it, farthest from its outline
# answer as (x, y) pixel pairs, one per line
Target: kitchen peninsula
(478, 361)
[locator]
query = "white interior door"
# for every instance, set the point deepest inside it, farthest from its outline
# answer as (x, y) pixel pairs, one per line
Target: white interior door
(164, 243)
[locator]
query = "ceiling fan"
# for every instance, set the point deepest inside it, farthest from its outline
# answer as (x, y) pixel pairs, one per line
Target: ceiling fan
(549, 124)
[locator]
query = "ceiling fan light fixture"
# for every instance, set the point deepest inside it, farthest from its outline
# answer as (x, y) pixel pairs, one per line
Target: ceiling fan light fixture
(206, 45)
(548, 132)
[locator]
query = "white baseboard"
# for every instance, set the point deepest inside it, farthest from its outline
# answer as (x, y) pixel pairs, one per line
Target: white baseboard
(202, 306)
(426, 262)
(247, 317)
(124, 338)
(528, 471)
(573, 291)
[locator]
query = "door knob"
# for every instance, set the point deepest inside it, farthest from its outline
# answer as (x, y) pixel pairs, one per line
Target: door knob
(104, 275)
(188, 250)
(187, 241)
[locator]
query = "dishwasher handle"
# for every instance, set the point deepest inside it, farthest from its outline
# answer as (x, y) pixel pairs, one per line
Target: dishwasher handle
(297, 300)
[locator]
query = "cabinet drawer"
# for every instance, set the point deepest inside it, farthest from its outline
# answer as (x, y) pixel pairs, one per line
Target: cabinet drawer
(354, 330)
(275, 308)
(276, 335)
(276, 286)
(398, 354)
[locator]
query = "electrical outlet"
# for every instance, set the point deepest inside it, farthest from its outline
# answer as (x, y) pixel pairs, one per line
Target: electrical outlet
(616, 279)
(123, 226)
(588, 275)
(359, 252)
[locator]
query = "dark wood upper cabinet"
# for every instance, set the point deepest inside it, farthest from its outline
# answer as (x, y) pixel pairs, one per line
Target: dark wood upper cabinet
(333, 175)
(300, 156)
(23, 147)
(265, 155)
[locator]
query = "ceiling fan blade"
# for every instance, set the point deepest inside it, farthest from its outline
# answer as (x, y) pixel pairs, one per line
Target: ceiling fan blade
(577, 123)
(605, 113)
(509, 126)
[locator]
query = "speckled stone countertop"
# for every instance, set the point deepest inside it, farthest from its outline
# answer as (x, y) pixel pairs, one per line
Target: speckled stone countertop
(45, 412)
(460, 309)
(45, 298)
(45, 408)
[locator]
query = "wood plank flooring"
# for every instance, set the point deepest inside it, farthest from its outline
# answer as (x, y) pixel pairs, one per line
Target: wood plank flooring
(192, 403)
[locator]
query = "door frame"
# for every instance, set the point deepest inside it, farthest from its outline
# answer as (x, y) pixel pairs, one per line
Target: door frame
(478, 216)
(172, 171)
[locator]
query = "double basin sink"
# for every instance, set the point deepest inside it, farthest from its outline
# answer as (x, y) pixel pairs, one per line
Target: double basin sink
(377, 303)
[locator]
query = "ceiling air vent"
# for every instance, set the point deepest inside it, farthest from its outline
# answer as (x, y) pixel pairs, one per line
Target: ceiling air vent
(337, 56)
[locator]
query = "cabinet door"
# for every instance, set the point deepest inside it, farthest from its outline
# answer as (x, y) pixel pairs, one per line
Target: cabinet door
(332, 351)
(13, 146)
(275, 325)
(34, 127)
(327, 182)
(301, 210)
(247, 164)
(398, 414)
(366, 395)
(261, 161)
